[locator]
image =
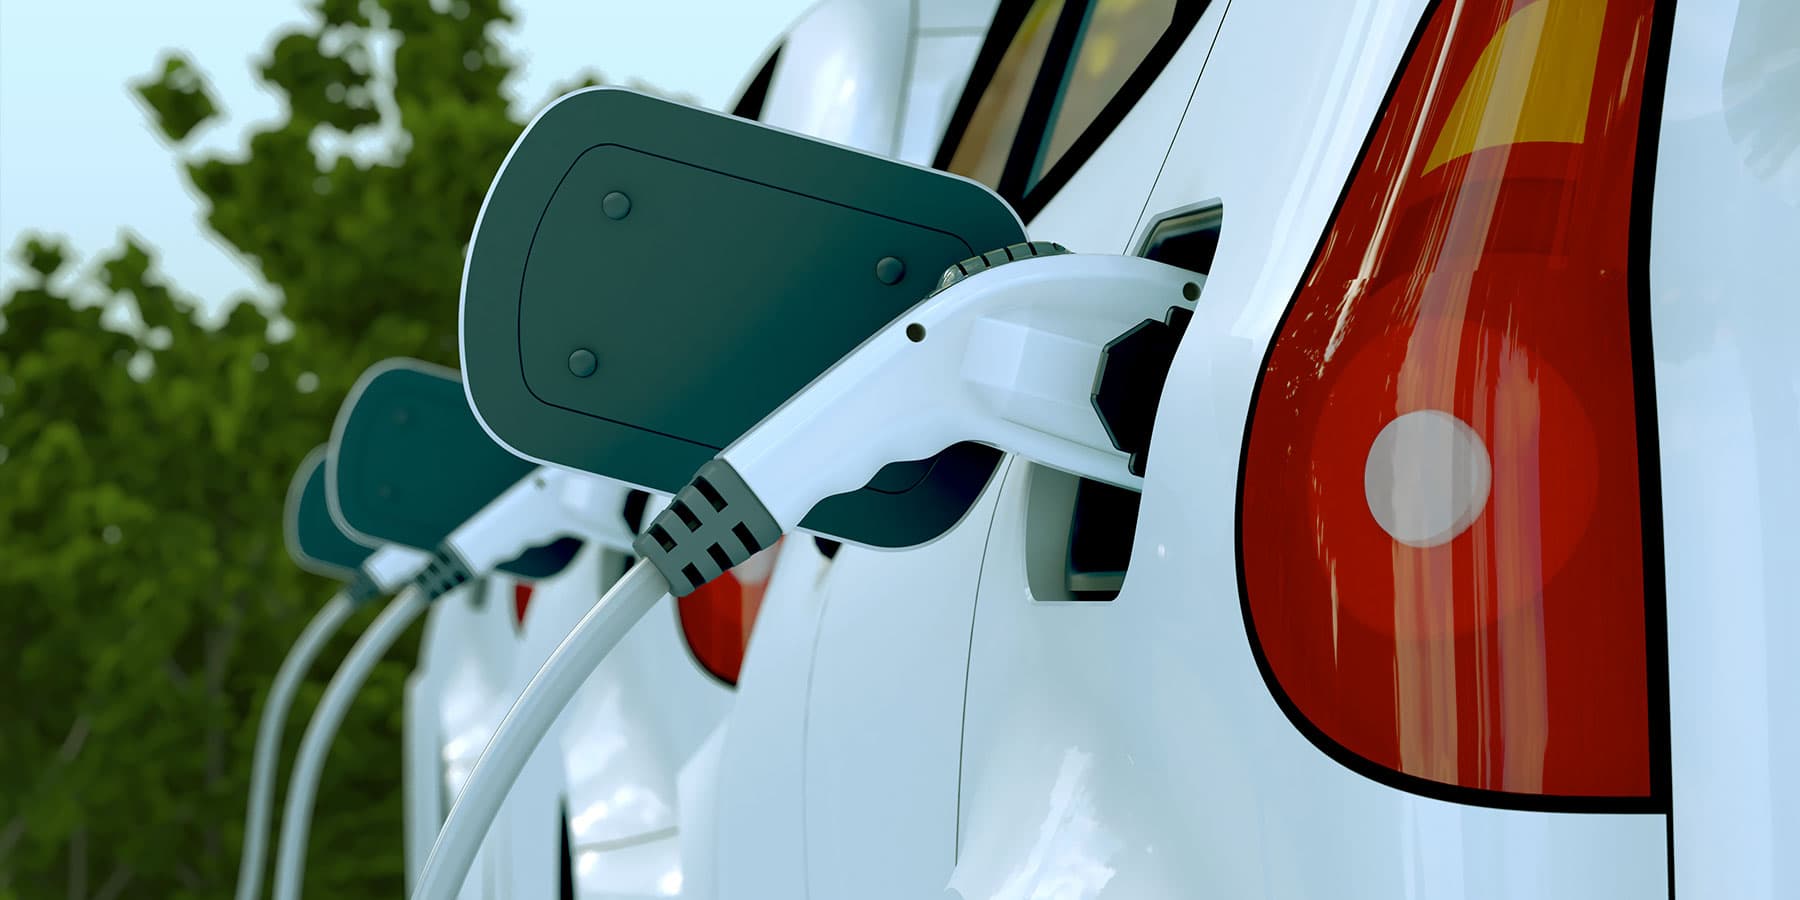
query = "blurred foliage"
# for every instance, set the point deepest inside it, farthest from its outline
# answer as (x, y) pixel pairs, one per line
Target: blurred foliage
(145, 456)
(178, 98)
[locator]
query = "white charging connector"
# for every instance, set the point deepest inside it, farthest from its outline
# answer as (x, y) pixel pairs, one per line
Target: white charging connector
(544, 505)
(1007, 356)
(386, 571)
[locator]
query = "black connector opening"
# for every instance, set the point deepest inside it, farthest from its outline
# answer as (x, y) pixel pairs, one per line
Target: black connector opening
(710, 493)
(686, 515)
(719, 557)
(692, 574)
(742, 532)
(662, 538)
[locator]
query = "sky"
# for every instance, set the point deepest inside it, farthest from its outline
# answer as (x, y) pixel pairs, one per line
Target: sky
(79, 157)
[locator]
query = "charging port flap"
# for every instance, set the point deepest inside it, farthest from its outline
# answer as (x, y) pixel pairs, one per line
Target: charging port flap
(648, 280)
(409, 463)
(314, 541)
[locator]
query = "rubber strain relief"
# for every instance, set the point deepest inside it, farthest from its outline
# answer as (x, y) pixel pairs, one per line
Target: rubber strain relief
(713, 524)
(443, 573)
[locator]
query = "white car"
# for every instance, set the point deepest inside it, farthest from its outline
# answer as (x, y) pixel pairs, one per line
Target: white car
(1457, 571)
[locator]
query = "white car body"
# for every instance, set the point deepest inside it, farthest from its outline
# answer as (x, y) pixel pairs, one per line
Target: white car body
(935, 721)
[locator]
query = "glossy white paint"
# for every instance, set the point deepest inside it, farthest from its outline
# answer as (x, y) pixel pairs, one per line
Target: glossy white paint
(941, 61)
(939, 15)
(640, 871)
(878, 75)
(696, 793)
(1724, 316)
(836, 773)
(946, 38)
(840, 72)
(884, 714)
(421, 731)
(756, 843)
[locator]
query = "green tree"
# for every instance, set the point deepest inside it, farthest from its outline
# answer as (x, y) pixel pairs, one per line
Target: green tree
(144, 458)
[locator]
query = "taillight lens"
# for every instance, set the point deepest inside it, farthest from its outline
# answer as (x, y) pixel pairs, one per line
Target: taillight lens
(521, 602)
(1441, 529)
(717, 618)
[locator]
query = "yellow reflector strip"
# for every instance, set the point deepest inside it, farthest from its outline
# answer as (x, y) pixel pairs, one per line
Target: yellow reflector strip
(1532, 82)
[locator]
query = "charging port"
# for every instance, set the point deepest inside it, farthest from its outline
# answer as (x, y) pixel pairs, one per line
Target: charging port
(1103, 520)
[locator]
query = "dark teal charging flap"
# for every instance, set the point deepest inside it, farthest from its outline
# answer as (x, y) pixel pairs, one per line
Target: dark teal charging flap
(313, 540)
(409, 463)
(648, 280)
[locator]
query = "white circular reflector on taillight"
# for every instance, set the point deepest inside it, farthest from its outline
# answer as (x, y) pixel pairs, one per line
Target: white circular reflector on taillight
(1427, 477)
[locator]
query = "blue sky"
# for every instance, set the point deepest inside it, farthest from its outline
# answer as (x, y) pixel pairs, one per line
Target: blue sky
(78, 156)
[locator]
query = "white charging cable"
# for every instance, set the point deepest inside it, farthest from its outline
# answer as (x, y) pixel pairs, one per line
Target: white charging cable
(383, 572)
(303, 784)
(1003, 354)
(268, 738)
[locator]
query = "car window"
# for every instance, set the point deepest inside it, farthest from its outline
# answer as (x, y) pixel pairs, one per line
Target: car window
(987, 142)
(750, 105)
(1069, 72)
(1116, 39)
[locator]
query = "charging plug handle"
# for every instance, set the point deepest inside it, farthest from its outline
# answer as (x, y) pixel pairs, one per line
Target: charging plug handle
(1005, 356)
(387, 570)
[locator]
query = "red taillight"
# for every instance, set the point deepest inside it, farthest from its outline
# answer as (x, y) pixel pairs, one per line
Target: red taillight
(717, 618)
(1441, 529)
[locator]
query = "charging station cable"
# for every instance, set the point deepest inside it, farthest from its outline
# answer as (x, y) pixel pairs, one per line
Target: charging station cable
(268, 737)
(1006, 351)
(383, 572)
(303, 784)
